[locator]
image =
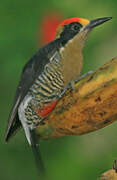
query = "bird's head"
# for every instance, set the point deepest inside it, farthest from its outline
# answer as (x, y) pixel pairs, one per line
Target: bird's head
(77, 27)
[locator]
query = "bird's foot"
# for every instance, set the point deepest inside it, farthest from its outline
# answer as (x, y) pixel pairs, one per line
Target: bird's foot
(71, 84)
(83, 76)
(68, 86)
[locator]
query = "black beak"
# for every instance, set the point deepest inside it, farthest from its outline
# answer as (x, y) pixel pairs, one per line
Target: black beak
(97, 22)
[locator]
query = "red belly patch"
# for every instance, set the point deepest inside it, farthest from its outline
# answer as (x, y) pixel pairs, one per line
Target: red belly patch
(46, 109)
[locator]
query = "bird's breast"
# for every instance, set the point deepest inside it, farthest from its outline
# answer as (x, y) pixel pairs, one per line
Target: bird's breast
(72, 61)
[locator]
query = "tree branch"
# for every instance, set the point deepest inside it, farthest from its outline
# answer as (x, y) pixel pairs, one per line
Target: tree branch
(90, 106)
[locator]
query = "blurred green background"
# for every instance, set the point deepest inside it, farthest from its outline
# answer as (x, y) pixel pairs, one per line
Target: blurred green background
(77, 158)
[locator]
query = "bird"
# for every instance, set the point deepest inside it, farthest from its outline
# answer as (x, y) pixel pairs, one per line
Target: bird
(46, 76)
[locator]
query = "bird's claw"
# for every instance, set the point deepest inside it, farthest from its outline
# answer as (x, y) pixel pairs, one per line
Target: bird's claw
(71, 84)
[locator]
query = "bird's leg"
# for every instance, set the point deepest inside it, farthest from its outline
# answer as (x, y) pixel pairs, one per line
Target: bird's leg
(37, 155)
(83, 76)
(71, 84)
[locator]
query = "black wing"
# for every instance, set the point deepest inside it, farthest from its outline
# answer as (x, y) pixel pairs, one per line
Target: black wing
(31, 70)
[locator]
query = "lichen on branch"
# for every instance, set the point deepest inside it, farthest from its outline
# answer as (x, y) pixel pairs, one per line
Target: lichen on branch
(90, 106)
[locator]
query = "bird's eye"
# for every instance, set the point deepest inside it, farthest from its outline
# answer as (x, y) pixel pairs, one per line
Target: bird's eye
(75, 27)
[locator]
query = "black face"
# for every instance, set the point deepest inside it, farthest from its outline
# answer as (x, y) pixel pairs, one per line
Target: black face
(70, 31)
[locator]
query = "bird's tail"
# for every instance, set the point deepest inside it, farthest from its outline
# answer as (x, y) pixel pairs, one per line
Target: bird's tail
(37, 154)
(33, 142)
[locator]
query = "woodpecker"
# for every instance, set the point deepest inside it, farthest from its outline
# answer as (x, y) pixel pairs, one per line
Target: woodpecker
(47, 74)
